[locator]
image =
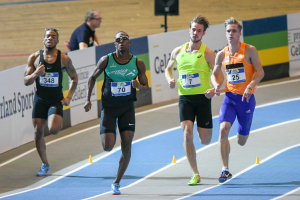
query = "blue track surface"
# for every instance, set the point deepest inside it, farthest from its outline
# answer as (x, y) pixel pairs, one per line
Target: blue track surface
(275, 177)
(148, 156)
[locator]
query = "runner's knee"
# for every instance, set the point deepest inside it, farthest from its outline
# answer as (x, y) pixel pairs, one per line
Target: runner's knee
(108, 146)
(241, 142)
(224, 131)
(38, 133)
(188, 137)
(54, 131)
(205, 140)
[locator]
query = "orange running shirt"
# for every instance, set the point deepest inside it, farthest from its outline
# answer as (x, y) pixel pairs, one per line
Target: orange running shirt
(239, 72)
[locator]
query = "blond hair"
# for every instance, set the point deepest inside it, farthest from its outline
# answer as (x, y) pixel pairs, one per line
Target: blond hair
(231, 20)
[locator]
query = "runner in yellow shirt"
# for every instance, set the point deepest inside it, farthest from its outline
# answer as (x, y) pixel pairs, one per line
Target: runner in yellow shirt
(195, 61)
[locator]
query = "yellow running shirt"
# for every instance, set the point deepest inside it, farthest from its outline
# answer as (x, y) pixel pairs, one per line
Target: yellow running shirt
(194, 71)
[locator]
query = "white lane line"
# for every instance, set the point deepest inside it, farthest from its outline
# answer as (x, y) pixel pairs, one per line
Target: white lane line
(144, 112)
(278, 102)
(254, 165)
(280, 83)
(85, 165)
(48, 143)
(286, 194)
(199, 150)
(141, 139)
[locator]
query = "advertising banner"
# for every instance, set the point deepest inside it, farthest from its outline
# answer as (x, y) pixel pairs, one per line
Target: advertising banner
(294, 43)
(160, 49)
(16, 101)
(84, 63)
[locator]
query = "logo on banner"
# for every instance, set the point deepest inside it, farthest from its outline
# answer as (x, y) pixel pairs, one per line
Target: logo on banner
(160, 64)
(18, 104)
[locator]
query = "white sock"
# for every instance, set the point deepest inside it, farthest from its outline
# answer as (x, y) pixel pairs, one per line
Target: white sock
(225, 168)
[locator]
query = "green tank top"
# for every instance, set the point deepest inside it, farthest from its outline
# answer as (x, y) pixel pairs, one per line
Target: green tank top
(194, 71)
(117, 89)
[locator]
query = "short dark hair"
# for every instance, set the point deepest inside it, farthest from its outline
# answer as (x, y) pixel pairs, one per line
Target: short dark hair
(90, 15)
(231, 20)
(200, 19)
(52, 29)
(122, 32)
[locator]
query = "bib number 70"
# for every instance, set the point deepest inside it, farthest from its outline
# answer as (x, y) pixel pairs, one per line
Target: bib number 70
(121, 89)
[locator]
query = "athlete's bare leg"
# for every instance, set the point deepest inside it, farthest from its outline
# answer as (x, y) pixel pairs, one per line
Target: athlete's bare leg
(55, 123)
(224, 142)
(126, 141)
(188, 144)
(39, 140)
(242, 139)
(108, 141)
(205, 135)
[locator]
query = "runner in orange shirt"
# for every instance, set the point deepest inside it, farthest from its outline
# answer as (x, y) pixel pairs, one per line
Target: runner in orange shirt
(243, 71)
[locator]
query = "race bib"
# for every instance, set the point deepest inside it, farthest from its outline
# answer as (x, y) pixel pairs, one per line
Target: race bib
(236, 76)
(120, 88)
(49, 79)
(191, 80)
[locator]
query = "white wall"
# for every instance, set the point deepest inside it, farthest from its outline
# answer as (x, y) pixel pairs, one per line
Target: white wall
(84, 62)
(15, 109)
(294, 43)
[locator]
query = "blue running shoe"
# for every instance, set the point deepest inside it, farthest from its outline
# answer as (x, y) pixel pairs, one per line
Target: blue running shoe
(44, 170)
(225, 176)
(115, 189)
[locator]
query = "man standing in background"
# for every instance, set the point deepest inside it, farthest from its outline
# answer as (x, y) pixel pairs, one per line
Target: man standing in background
(84, 36)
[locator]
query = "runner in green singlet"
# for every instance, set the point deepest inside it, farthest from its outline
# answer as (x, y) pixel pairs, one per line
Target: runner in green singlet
(118, 94)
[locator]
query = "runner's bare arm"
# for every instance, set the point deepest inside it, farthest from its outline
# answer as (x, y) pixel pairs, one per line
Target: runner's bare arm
(142, 84)
(255, 61)
(251, 52)
(210, 59)
(32, 70)
(170, 66)
(67, 64)
(217, 76)
(101, 65)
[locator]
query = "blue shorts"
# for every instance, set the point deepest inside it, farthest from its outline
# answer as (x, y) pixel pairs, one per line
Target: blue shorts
(233, 107)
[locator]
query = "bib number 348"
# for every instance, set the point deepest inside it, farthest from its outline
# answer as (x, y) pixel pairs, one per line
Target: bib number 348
(49, 79)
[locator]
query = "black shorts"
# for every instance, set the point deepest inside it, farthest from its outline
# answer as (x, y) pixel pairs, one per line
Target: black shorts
(125, 115)
(43, 109)
(191, 106)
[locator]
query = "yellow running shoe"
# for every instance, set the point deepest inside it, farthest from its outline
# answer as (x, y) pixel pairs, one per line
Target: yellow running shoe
(195, 179)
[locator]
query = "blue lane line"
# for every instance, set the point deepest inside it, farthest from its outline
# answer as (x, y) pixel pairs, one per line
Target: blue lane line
(273, 178)
(31, 2)
(148, 156)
